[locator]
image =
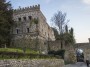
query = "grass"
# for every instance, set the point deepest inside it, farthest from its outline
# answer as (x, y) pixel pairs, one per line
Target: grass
(18, 50)
(18, 53)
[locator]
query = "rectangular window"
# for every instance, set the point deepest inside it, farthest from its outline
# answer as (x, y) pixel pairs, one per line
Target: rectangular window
(17, 31)
(24, 18)
(19, 19)
(30, 17)
(28, 30)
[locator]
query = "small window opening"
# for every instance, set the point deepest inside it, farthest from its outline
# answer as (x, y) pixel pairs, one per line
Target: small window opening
(19, 19)
(28, 30)
(24, 18)
(30, 17)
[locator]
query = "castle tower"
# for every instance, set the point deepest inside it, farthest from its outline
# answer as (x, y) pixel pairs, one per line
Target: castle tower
(31, 29)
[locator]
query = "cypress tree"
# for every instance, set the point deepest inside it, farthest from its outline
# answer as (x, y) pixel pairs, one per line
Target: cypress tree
(6, 22)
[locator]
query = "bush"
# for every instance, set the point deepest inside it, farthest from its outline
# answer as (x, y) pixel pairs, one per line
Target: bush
(52, 52)
(57, 53)
(19, 50)
(15, 55)
(60, 53)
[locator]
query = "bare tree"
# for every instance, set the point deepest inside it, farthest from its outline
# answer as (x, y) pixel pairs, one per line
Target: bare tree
(59, 20)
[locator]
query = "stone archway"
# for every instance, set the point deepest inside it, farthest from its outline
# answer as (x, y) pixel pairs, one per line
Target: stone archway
(80, 55)
(86, 49)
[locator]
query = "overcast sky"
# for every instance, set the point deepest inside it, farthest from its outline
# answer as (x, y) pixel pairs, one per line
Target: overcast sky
(78, 11)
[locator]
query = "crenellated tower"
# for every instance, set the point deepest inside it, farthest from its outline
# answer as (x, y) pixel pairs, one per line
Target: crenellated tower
(34, 7)
(28, 33)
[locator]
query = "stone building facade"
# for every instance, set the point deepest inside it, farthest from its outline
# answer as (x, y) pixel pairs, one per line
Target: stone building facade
(31, 29)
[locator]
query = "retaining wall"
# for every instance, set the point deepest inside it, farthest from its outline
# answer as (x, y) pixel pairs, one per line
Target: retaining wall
(32, 63)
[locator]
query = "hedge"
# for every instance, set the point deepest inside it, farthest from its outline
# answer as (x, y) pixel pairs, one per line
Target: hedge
(15, 55)
(59, 53)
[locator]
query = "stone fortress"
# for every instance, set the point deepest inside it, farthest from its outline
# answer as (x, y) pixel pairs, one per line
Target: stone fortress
(31, 29)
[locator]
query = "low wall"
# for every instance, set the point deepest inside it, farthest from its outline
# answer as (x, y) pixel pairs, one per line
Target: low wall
(32, 63)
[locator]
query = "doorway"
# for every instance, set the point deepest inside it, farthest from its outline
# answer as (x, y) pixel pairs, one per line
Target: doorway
(80, 55)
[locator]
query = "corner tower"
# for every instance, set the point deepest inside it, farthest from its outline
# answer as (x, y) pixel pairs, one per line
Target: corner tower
(31, 29)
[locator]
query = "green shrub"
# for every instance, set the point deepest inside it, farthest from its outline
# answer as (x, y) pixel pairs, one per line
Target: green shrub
(15, 55)
(52, 52)
(19, 50)
(58, 54)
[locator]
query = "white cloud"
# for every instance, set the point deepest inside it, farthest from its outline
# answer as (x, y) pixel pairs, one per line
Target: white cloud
(86, 2)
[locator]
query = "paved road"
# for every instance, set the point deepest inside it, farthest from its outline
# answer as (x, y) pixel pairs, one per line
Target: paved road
(78, 64)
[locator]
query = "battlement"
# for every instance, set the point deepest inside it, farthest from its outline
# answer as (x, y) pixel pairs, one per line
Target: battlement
(34, 7)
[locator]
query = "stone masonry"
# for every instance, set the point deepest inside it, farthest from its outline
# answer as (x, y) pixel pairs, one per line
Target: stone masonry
(32, 63)
(27, 33)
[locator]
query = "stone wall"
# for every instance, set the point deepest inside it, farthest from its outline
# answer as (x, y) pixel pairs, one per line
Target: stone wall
(32, 63)
(69, 56)
(86, 54)
(55, 45)
(34, 44)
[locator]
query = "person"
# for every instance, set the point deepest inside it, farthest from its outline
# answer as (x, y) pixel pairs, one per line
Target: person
(87, 62)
